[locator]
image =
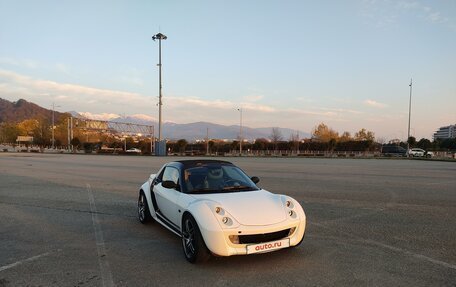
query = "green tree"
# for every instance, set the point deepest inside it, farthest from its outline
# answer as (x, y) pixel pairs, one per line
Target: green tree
(323, 133)
(332, 144)
(411, 141)
(9, 132)
(75, 142)
(234, 145)
(448, 144)
(181, 144)
(364, 135)
(211, 146)
(130, 143)
(39, 128)
(27, 127)
(260, 144)
(424, 144)
(345, 137)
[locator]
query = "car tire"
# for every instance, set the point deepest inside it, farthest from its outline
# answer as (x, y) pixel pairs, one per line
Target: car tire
(428, 156)
(143, 209)
(195, 250)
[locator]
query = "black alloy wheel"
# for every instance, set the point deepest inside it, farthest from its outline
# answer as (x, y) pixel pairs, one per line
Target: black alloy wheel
(143, 209)
(195, 249)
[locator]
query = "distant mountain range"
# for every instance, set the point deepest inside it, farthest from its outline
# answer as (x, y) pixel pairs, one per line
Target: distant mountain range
(22, 110)
(14, 112)
(199, 130)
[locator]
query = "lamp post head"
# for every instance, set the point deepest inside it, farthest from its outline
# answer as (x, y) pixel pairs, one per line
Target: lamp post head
(159, 36)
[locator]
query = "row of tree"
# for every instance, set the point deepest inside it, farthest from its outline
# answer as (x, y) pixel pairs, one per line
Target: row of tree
(323, 138)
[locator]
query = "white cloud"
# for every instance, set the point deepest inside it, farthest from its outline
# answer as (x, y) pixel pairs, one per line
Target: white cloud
(62, 68)
(107, 104)
(385, 13)
(435, 17)
(342, 111)
(27, 63)
(374, 104)
(257, 107)
(70, 94)
(253, 98)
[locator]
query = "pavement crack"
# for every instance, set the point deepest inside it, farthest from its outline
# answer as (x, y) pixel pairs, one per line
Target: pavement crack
(67, 209)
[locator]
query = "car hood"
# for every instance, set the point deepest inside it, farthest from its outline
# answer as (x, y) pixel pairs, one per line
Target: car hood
(258, 207)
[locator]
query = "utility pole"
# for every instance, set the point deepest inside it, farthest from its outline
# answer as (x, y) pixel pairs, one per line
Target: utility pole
(297, 151)
(68, 133)
(207, 141)
(53, 124)
(71, 133)
(240, 132)
(410, 112)
(152, 135)
(159, 37)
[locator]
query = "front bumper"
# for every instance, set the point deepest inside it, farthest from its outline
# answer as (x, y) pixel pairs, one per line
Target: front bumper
(222, 242)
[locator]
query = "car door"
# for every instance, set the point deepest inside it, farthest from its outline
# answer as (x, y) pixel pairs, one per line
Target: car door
(167, 198)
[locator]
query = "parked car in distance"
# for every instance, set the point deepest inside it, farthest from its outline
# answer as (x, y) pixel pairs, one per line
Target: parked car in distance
(133, 150)
(417, 152)
(393, 150)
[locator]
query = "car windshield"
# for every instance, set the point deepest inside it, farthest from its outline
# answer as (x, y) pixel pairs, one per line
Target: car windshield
(217, 178)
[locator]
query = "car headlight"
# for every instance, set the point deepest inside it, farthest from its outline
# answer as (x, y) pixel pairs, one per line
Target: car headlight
(225, 219)
(223, 216)
(290, 207)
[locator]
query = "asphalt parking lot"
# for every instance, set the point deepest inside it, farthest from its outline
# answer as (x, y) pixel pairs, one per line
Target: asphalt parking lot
(70, 220)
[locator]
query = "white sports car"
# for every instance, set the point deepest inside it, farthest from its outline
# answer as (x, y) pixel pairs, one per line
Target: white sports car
(217, 209)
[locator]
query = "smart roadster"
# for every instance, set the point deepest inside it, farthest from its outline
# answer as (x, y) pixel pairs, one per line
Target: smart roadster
(218, 210)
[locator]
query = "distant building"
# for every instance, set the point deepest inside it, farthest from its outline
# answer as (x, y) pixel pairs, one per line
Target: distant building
(448, 132)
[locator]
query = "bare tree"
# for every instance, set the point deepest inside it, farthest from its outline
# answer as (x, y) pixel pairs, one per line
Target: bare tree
(275, 137)
(294, 141)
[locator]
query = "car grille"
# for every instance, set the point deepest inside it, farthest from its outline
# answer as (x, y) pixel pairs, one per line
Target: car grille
(265, 237)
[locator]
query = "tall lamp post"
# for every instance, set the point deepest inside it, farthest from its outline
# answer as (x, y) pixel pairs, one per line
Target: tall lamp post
(240, 132)
(53, 125)
(159, 37)
(410, 111)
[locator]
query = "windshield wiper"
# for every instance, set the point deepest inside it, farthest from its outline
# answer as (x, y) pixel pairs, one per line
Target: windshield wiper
(202, 190)
(238, 188)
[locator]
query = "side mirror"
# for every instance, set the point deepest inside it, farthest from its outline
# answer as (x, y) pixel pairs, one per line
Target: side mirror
(169, 184)
(255, 179)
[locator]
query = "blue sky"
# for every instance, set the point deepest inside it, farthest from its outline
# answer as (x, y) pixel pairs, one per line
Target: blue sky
(286, 63)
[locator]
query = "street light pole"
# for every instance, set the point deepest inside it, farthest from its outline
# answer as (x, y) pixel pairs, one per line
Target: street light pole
(240, 132)
(410, 111)
(53, 125)
(159, 37)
